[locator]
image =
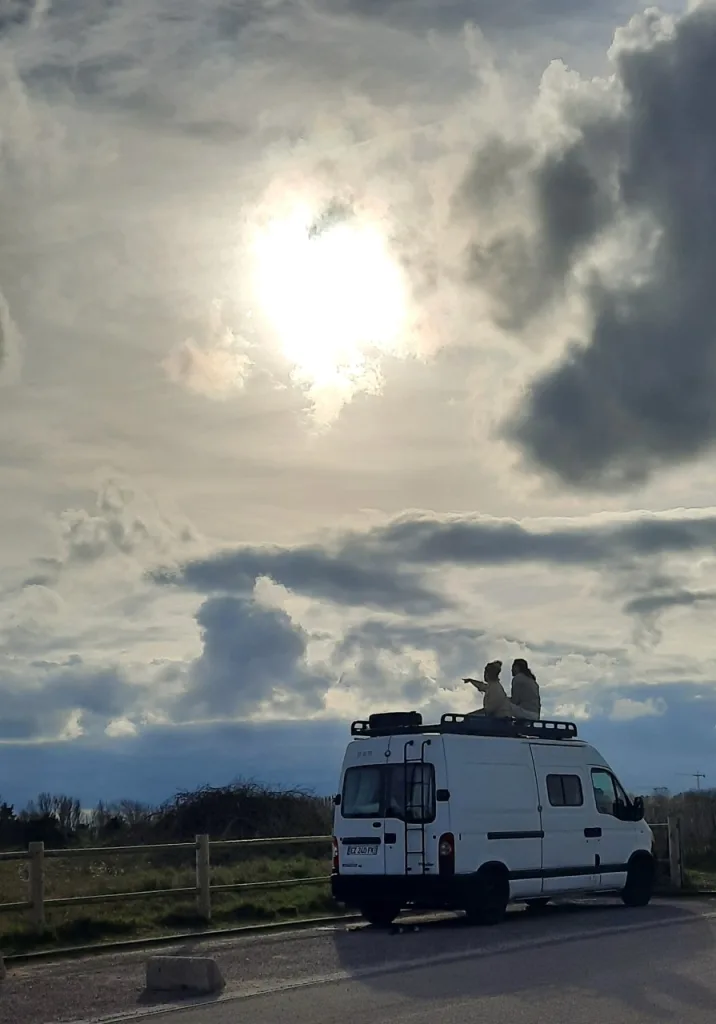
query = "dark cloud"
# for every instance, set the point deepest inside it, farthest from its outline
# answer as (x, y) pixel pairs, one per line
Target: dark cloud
(42, 702)
(429, 540)
(309, 570)
(651, 604)
(251, 654)
(425, 15)
(646, 752)
(162, 761)
(637, 393)
(570, 202)
(452, 641)
(385, 568)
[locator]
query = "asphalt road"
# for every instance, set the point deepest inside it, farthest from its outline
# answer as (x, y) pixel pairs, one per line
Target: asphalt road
(582, 964)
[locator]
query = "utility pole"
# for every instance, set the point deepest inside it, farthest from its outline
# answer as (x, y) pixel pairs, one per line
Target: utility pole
(695, 775)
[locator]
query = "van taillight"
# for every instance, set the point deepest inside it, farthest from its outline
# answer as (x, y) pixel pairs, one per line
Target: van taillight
(335, 856)
(446, 854)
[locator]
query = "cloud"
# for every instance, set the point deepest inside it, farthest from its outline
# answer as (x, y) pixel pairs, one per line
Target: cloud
(655, 600)
(651, 604)
(615, 209)
(427, 539)
(70, 698)
(10, 344)
(311, 570)
(422, 15)
(123, 523)
(394, 566)
(625, 709)
(253, 657)
(216, 367)
(162, 760)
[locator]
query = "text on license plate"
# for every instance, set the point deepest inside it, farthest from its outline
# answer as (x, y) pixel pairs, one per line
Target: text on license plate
(361, 851)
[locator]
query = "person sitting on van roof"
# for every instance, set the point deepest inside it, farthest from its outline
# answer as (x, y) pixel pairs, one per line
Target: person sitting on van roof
(496, 702)
(525, 695)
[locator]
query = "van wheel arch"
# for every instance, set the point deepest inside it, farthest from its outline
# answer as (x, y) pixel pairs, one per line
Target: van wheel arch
(488, 894)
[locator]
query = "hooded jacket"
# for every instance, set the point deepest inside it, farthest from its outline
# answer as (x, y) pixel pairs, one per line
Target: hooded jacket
(525, 693)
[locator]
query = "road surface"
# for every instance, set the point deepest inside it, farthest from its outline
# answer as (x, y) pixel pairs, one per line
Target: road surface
(582, 964)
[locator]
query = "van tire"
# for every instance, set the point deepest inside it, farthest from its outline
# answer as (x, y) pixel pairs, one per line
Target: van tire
(639, 884)
(380, 915)
(489, 896)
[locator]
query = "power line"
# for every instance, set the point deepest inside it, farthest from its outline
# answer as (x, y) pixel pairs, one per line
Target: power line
(695, 775)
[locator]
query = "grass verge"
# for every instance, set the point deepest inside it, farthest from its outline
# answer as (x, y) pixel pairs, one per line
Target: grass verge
(137, 919)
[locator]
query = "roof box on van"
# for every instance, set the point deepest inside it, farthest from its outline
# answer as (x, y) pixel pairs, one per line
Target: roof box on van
(396, 720)
(387, 723)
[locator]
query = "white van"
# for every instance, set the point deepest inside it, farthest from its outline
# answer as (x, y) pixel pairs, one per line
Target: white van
(474, 813)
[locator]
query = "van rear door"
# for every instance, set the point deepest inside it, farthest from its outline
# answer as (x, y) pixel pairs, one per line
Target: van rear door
(389, 820)
(359, 819)
(414, 819)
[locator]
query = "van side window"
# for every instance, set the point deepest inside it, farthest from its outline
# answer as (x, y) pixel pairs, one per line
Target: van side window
(606, 790)
(565, 790)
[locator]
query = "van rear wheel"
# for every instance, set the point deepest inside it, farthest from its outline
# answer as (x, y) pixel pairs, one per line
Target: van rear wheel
(488, 898)
(380, 915)
(639, 884)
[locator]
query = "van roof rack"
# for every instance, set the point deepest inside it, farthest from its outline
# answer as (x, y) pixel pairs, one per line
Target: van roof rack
(411, 723)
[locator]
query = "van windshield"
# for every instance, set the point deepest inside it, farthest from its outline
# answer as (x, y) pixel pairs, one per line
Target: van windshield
(399, 791)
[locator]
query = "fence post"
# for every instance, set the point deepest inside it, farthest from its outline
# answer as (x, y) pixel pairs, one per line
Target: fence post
(676, 867)
(37, 885)
(203, 878)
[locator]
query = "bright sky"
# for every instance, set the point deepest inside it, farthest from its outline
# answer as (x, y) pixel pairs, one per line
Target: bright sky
(343, 348)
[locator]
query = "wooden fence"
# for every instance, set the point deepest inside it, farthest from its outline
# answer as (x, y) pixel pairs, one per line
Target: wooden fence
(667, 835)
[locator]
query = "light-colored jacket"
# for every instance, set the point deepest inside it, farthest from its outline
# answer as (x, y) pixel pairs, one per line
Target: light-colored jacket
(496, 701)
(525, 694)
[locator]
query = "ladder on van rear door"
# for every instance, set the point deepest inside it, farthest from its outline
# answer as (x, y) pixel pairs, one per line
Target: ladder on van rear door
(416, 782)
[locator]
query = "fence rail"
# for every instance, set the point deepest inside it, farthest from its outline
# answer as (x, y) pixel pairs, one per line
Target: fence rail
(37, 903)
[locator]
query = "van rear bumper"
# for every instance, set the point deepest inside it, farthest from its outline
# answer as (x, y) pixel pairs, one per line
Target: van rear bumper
(426, 891)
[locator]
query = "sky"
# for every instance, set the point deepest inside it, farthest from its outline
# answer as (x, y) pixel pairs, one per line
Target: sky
(344, 347)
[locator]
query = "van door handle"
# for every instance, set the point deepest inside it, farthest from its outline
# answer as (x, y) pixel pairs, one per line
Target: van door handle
(390, 837)
(592, 833)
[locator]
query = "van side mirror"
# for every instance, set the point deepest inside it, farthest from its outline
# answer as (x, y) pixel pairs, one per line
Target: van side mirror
(638, 807)
(337, 799)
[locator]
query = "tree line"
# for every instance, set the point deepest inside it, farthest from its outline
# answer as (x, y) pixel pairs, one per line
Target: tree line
(697, 811)
(249, 810)
(239, 810)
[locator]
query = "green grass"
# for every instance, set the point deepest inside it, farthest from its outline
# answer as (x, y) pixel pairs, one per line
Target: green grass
(105, 922)
(697, 878)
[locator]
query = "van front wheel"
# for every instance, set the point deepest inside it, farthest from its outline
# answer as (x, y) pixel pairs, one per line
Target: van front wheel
(380, 915)
(639, 884)
(488, 899)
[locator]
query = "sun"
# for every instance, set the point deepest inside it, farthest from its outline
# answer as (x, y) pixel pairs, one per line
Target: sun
(333, 295)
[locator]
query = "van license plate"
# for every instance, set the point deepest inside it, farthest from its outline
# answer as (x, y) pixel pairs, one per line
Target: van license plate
(361, 851)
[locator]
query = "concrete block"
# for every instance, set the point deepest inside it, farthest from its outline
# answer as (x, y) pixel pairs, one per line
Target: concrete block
(196, 974)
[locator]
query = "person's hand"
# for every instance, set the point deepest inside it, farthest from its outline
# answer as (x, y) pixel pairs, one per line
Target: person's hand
(477, 683)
